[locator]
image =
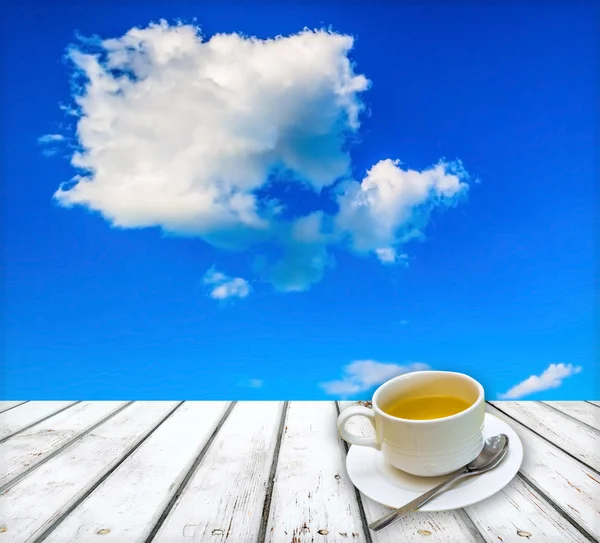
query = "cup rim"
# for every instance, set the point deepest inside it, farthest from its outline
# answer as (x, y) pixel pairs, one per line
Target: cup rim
(472, 407)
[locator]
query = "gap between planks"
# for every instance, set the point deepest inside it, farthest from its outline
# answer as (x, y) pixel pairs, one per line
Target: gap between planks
(576, 449)
(313, 499)
(7, 406)
(27, 468)
(227, 493)
(552, 504)
(69, 480)
(90, 490)
(28, 420)
(264, 521)
(563, 480)
(361, 506)
(581, 412)
(189, 474)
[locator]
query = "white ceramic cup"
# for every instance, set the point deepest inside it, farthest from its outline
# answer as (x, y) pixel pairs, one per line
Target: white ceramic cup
(424, 448)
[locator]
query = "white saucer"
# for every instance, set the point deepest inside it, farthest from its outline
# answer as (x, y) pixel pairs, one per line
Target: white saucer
(394, 488)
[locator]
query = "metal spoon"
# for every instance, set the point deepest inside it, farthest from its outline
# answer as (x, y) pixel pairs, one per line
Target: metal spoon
(494, 450)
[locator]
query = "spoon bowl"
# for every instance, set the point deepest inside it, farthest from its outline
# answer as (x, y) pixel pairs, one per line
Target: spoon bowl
(494, 450)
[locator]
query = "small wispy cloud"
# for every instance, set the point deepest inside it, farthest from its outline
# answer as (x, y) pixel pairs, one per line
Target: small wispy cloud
(362, 375)
(389, 255)
(224, 287)
(50, 138)
(386, 255)
(552, 377)
(252, 383)
(50, 143)
(404, 323)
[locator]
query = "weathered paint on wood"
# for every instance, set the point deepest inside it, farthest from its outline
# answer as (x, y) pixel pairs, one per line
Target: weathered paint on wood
(577, 439)
(6, 405)
(313, 499)
(245, 481)
(224, 499)
(582, 411)
(129, 502)
(517, 514)
(31, 506)
(27, 449)
(571, 486)
(443, 527)
(23, 416)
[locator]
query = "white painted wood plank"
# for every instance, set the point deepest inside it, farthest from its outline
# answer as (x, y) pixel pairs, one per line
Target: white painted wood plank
(312, 492)
(517, 514)
(20, 417)
(28, 508)
(571, 486)
(443, 527)
(32, 446)
(129, 502)
(582, 411)
(224, 499)
(595, 403)
(6, 405)
(577, 439)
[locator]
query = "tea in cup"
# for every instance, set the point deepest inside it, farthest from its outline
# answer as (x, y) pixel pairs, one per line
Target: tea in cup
(427, 423)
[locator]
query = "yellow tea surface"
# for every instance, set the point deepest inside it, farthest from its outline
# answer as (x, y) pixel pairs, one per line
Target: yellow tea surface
(427, 407)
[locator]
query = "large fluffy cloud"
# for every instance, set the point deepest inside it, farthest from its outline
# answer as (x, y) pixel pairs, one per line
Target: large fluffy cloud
(188, 134)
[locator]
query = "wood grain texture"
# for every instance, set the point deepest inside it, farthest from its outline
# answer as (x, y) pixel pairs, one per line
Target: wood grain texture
(224, 499)
(517, 514)
(569, 485)
(578, 439)
(31, 506)
(22, 416)
(442, 527)
(6, 405)
(185, 486)
(313, 500)
(33, 446)
(582, 411)
(129, 502)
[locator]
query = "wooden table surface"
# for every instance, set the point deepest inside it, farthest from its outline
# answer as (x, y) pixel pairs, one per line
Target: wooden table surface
(265, 471)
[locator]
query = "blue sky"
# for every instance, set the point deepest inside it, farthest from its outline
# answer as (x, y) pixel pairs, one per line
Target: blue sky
(306, 277)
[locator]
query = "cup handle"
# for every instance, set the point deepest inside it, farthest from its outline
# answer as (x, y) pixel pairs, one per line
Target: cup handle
(357, 411)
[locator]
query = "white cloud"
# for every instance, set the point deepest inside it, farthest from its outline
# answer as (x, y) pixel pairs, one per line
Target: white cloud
(552, 377)
(224, 287)
(50, 143)
(392, 204)
(187, 134)
(362, 375)
(252, 383)
(197, 126)
(389, 255)
(50, 138)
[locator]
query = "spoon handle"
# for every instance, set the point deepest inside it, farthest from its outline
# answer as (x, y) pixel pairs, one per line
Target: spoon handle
(415, 504)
